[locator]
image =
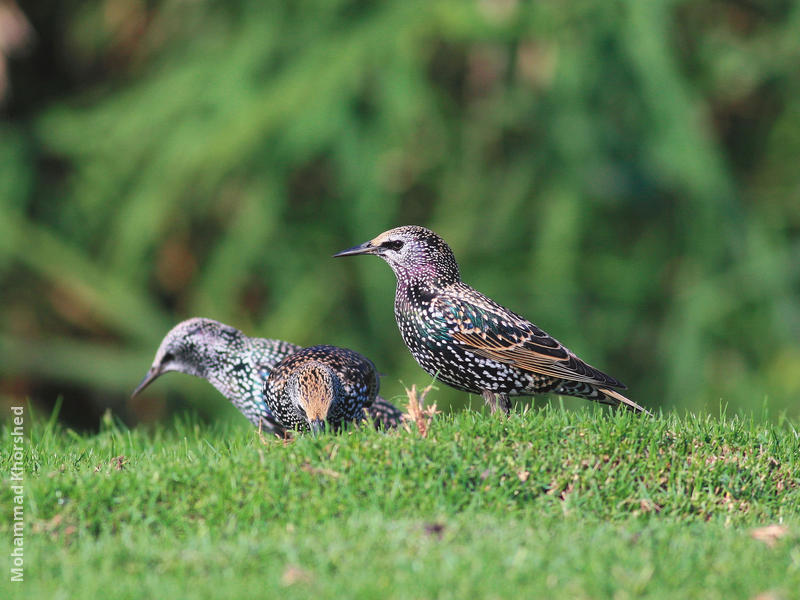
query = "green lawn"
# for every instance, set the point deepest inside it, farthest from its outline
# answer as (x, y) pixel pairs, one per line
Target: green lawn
(585, 504)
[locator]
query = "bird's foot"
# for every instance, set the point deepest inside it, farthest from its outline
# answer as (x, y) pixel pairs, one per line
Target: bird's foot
(494, 401)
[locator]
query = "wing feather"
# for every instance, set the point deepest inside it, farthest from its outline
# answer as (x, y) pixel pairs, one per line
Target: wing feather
(487, 329)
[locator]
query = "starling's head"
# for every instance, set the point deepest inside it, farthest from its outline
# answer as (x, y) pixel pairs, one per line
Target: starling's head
(191, 347)
(312, 390)
(413, 252)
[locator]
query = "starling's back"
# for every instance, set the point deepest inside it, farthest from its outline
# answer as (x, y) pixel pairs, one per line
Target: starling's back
(248, 367)
(474, 344)
(267, 352)
(352, 389)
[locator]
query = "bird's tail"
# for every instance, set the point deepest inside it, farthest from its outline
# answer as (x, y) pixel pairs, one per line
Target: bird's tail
(383, 414)
(615, 399)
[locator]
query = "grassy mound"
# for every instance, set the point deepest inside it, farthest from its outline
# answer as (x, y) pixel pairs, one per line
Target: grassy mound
(544, 504)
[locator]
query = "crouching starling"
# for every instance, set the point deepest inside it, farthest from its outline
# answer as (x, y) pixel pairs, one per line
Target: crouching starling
(237, 365)
(321, 385)
(228, 359)
(471, 342)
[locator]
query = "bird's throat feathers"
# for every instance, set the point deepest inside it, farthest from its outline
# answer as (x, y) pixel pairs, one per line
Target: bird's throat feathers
(315, 391)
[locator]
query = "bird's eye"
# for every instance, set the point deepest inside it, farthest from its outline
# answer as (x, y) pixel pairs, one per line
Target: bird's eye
(392, 245)
(167, 358)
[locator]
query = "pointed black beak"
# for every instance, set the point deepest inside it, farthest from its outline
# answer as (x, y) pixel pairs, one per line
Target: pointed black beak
(317, 426)
(151, 376)
(365, 248)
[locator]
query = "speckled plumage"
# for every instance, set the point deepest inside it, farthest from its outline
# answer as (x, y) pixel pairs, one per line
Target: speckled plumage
(383, 414)
(228, 359)
(319, 385)
(471, 342)
(237, 365)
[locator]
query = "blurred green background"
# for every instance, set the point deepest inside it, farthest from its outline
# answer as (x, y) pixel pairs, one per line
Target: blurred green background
(626, 174)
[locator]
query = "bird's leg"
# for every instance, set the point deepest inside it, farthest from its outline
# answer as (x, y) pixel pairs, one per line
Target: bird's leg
(505, 403)
(494, 399)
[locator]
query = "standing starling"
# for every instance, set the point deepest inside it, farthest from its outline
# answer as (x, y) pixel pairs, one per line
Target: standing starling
(468, 340)
(319, 385)
(237, 366)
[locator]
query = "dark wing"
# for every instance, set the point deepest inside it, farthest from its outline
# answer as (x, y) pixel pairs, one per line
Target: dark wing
(359, 376)
(483, 327)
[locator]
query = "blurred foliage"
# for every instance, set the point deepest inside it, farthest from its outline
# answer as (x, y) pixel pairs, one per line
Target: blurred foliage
(623, 173)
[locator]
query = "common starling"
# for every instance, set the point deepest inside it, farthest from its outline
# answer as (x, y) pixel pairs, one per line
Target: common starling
(237, 365)
(471, 342)
(321, 385)
(232, 362)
